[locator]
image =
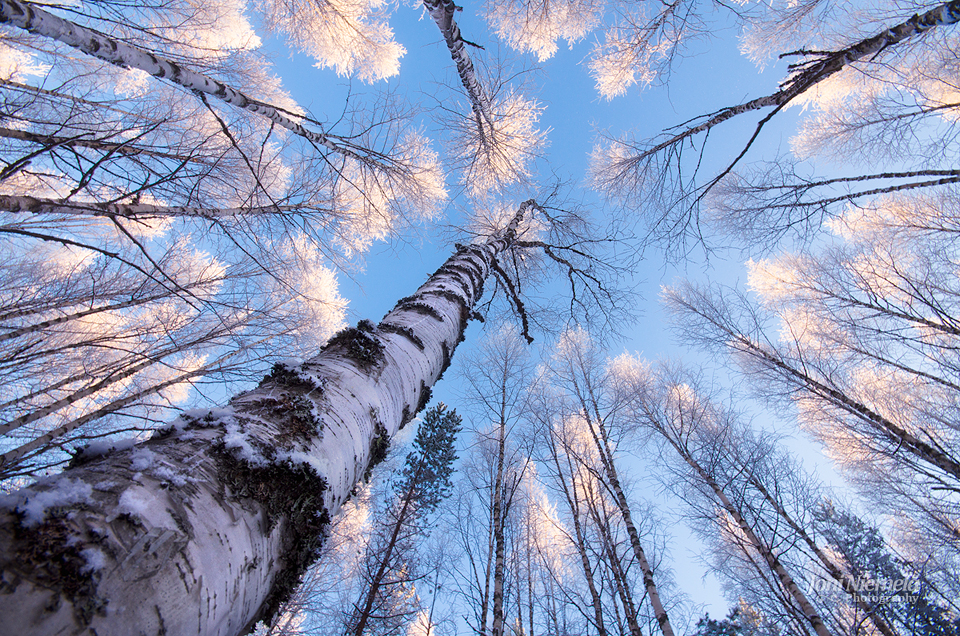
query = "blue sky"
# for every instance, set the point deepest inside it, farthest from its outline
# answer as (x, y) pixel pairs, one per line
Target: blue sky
(712, 76)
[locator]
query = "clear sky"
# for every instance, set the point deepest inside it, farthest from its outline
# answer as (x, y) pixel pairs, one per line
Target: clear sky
(713, 76)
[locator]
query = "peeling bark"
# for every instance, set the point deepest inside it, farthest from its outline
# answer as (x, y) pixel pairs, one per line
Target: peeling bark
(206, 527)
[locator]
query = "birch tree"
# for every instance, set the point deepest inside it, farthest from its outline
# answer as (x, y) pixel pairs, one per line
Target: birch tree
(578, 369)
(231, 503)
(727, 467)
(866, 97)
(496, 375)
(897, 455)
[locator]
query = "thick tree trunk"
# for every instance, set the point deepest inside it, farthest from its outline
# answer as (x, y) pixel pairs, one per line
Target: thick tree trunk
(205, 528)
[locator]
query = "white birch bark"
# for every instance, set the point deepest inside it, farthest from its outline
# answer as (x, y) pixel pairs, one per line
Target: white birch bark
(766, 552)
(141, 211)
(442, 13)
(846, 581)
(499, 521)
(808, 74)
(202, 530)
(35, 20)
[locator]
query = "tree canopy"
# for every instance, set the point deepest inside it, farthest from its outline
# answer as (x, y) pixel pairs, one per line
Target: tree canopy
(181, 219)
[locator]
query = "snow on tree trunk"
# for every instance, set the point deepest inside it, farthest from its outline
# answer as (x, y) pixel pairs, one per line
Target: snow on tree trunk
(35, 20)
(207, 527)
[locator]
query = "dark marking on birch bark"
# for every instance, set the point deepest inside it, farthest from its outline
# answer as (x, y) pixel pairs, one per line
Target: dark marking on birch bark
(447, 358)
(406, 417)
(359, 343)
(379, 446)
(404, 331)
(293, 414)
(453, 297)
(290, 377)
(425, 394)
(414, 304)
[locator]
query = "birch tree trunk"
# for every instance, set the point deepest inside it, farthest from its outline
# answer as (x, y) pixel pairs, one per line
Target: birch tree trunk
(207, 527)
(602, 443)
(766, 551)
(32, 18)
(846, 581)
(499, 514)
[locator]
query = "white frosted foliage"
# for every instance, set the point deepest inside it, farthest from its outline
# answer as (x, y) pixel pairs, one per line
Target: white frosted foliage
(350, 36)
(630, 55)
(536, 26)
(499, 152)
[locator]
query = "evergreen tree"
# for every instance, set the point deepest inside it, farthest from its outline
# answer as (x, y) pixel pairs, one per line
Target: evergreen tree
(902, 595)
(389, 601)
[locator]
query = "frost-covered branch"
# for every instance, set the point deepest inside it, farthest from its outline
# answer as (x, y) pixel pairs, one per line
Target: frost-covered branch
(35, 20)
(143, 211)
(655, 175)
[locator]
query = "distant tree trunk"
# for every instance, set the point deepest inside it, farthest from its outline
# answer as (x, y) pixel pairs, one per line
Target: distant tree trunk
(602, 442)
(762, 547)
(363, 614)
(568, 486)
(846, 581)
(207, 527)
(500, 510)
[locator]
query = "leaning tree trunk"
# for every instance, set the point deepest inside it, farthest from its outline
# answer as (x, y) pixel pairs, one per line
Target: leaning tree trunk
(34, 19)
(207, 527)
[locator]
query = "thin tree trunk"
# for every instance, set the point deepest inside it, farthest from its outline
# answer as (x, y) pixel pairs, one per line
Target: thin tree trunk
(811, 73)
(903, 438)
(602, 443)
(126, 304)
(375, 583)
(616, 569)
(498, 534)
(845, 580)
(32, 18)
(488, 570)
(573, 505)
(207, 527)
(442, 13)
(764, 550)
(125, 149)
(152, 358)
